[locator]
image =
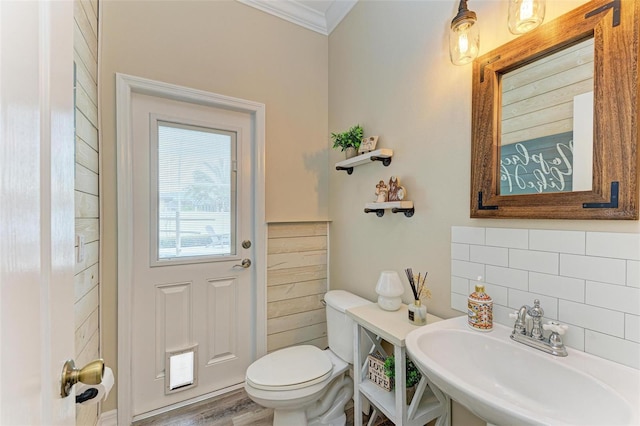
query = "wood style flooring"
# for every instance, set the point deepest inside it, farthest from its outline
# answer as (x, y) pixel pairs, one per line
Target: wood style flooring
(232, 409)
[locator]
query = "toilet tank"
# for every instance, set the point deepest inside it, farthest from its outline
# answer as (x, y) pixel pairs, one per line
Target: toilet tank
(339, 325)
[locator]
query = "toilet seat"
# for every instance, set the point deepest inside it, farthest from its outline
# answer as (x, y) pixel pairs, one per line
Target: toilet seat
(291, 368)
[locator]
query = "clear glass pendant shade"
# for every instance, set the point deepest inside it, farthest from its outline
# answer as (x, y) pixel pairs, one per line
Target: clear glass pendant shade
(464, 43)
(525, 15)
(464, 38)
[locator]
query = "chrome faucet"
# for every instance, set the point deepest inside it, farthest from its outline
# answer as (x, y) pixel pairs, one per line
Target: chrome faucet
(535, 338)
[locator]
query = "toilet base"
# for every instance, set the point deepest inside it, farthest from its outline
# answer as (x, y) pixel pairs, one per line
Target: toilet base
(289, 418)
(339, 421)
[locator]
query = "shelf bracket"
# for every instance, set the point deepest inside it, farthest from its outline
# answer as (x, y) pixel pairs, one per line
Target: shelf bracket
(407, 212)
(612, 204)
(378, 212)
(385, 160)
(482, 206)
(349, 170)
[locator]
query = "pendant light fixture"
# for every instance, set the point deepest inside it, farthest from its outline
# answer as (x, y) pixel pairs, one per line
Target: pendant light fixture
(525, 15)
(464, 39)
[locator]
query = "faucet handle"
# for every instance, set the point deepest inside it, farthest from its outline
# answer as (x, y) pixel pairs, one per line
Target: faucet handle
(556, 327)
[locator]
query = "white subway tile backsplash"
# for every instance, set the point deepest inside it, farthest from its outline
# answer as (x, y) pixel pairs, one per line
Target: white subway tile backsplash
(548, 304)
(467, 234)
(592, 317)
(619, 350)
(490, 255)
(538, 261)
(607, 244)
(460, 285)
(572, 242)
(574, 337)
(555, 285)
(512, 278)
(633, 273)
(507, 237)
(462, 269)
(497, 293)
(619, 298)
(632, 328)
(459, 302)
(501, 315)
(588, 280)
(593, 268)
(460, 251)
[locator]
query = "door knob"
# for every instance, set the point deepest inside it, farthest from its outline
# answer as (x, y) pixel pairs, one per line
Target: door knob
(246, 263)
(90, 374)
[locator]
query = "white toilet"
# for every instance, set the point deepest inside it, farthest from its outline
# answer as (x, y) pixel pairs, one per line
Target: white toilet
(306, 385)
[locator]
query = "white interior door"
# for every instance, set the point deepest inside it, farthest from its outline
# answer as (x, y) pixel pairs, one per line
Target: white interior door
(193, 286)
(36, 211)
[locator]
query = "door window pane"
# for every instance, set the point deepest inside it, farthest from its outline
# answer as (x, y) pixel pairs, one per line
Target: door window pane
(195, 191)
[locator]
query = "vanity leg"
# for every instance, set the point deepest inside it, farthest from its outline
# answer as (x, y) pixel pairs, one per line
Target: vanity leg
(357, 376)
(401, 379)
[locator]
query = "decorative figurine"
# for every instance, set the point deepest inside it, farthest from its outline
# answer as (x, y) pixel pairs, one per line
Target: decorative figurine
(396, 192)
(368, 144)
(382, 191)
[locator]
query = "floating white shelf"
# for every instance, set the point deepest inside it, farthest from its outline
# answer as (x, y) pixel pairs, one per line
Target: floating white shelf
(405, 207)
(383, 155)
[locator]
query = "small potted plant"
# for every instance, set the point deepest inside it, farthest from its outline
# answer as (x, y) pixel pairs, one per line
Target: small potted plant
(413, 375)
(348, 141)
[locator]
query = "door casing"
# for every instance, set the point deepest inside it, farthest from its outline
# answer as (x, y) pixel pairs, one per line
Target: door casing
(125, 86)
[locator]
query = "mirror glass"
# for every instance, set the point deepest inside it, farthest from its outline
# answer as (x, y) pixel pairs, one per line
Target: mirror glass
(546, 124)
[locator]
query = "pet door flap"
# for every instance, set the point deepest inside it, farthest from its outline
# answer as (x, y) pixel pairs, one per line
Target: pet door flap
(181, 368)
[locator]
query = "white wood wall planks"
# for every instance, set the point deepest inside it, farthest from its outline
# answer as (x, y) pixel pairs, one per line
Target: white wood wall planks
(296, 284)
(86, 281)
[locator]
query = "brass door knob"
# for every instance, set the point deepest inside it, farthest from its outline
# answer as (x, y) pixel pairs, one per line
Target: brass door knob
(90, 374)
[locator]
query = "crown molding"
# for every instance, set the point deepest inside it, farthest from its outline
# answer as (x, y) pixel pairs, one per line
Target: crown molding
(303, 15)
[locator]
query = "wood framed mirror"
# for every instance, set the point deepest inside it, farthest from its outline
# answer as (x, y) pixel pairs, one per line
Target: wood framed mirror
(555, 119)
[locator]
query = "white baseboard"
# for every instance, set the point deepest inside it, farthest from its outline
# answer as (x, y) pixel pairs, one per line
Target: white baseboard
(110, 418)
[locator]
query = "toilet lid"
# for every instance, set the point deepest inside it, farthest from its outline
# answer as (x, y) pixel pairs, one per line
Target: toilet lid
(290, 368)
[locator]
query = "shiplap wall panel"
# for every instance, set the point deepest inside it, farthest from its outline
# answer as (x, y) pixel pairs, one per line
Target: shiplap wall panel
(86, 131)
(290, 322)
(84, 80)
(296, 336)
(86, 180)
(86, 205)
(86, 330)
(296, 284)
(537, 99)
(85, 106)
(293, 275)
(85, 306)
(295, 290)
(89, 228)
(91, 255)
(87, 202)
(85, 281)
(86, 155)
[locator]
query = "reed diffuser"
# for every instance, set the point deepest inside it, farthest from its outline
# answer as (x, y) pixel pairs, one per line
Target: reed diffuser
(417, 311)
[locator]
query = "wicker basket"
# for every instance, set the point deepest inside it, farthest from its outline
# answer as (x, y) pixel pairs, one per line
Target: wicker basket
(375, 372)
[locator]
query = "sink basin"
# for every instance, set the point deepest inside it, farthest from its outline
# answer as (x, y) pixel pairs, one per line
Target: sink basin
(508, 383)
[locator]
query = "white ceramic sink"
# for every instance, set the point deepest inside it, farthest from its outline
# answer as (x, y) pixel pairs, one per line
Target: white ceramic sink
(508, 383)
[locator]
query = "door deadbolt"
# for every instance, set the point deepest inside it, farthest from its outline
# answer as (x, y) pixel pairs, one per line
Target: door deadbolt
(246, 263)
(246, 244)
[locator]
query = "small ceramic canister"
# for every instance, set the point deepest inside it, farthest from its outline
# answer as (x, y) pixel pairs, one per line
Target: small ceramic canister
(480, 310)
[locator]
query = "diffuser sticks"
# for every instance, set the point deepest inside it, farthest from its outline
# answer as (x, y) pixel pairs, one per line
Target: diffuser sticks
(416, 287)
